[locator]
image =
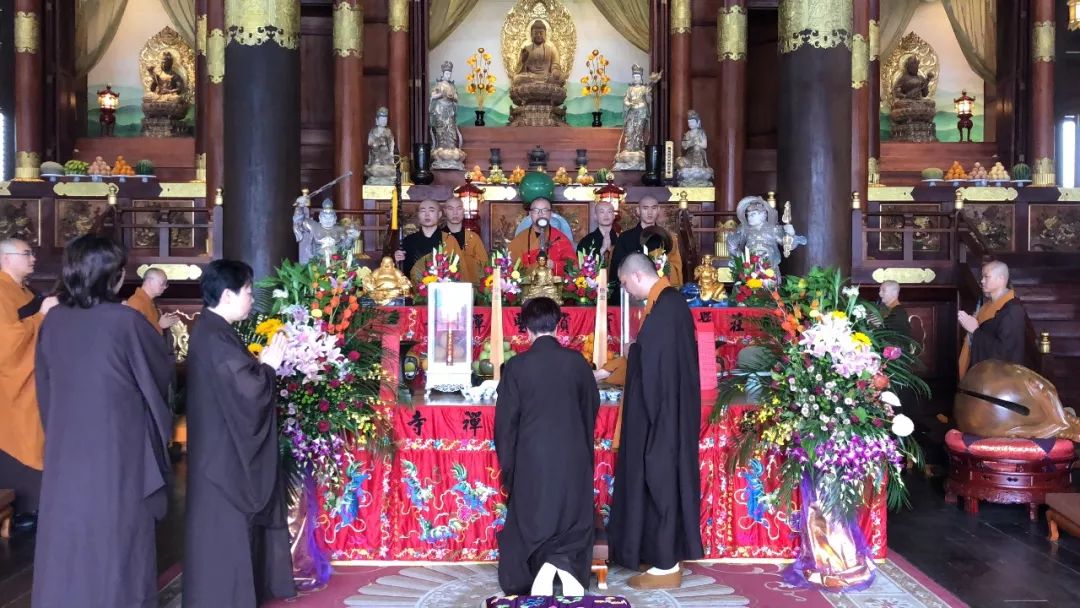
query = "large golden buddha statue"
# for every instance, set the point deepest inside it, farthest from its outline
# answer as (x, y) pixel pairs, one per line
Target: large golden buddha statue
(168, 66)
(539, 67)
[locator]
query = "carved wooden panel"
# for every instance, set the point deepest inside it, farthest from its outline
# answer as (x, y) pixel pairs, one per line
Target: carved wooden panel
(21, 219)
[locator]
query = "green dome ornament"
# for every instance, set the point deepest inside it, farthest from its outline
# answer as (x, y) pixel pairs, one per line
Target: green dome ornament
(536, 184)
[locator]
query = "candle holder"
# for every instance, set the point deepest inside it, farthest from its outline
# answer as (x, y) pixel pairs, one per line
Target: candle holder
(965, 106)
(108, 101)
(495, 160)
(422, 164)
(582, 159)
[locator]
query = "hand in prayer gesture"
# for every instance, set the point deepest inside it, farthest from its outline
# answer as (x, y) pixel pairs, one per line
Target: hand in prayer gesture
(274, 353)
(167, 320)
(47, 304)
(968, 322)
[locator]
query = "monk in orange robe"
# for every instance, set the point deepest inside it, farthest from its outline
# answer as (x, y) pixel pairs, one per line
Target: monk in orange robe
(153, 285)
(470, 248)
(22, 439)
(997, 329)
(526, 246)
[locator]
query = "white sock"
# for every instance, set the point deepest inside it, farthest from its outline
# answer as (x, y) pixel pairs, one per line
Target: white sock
(659, 571)
(544, 583)
(570, 585)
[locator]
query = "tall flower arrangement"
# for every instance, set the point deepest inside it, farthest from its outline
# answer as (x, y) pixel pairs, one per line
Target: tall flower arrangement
(510, 273)
(480, 81)
(824, 383)
(595, 83)
(330, 380)
(440, 267)
(755, 280)
(581, 279)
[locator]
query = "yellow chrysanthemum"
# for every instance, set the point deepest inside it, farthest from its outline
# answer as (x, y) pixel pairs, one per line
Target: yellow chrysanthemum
(861, 338)
(515, 275)
(255, 349)
(316, 314)
(430, 279)
(268, 327)
(489, 282)
(754, 283)
(837, 314)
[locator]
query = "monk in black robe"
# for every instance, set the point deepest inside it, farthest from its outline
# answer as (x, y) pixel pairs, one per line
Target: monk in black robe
(101, 373)
(420, 243)
(656, 502)
(650, 235)
(997, 329)
(236, 550)
(544, 421)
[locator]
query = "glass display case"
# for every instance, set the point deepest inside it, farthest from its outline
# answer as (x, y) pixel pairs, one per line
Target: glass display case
(450, 337)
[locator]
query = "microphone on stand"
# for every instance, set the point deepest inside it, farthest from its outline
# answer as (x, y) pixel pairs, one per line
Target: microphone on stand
(544, 225)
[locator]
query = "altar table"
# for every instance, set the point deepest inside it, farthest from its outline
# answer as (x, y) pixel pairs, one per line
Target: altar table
(438, 498)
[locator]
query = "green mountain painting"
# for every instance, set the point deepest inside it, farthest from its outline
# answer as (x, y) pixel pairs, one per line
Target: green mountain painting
(128, 116)
(579, 109)
(946, 127)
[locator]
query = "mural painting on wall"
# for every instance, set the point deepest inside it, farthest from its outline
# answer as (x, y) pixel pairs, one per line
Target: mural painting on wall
(151, 65)
(536, 52)
(1054, 228)
(994, 223)
(21, 219)
(941, 62)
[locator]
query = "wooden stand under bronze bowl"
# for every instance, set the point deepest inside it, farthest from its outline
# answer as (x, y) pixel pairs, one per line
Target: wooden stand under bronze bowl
(1006, 471)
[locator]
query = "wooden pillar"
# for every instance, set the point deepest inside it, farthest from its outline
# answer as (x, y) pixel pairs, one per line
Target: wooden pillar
(262, 130)
(860, 97)
(202, 84)
(211, 99)
(349, 141)
(399, 75)
(873, 131)
(680, 68)
(1042, 93)
(731, 102)
(814, 147)
(29, 89)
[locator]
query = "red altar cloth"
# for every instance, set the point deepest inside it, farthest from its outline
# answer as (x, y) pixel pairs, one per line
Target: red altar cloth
(730, 327)
(438, 498)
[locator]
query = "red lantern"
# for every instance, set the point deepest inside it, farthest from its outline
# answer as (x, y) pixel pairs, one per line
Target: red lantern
(471, 197)
(610, 193)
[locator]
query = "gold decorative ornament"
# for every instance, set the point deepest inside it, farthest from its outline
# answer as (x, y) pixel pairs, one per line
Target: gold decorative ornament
(698, 194)
(82, 189)
(4, 190)
(890, 194)
(27, 166)
(731, 34)
(215, 56)
(910, 44)
(1042, 172)
(398, 17)
(1042, 41)
(201, 34)
(182, 190)
(856, 202)
(860, 61)
(1044, 342)
(680, 16)
(1068, 195)
(821, 24)
(174, 272)
(904, 275)
(348, 29)
(254, 22)
(27, 32)
(517, 28)
(873, 40)
(219, 199)
(987, 194)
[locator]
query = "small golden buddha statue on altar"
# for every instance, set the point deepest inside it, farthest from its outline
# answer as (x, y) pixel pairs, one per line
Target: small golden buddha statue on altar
(706, 275)
(386, 283)
(541, 282)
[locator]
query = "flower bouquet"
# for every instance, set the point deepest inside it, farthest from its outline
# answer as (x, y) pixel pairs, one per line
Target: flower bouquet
(581, 279)
(480, 82)
(510, 272)
(660, 259)
(824, 383)
(595, 84)
(755, 280)
(440, 267)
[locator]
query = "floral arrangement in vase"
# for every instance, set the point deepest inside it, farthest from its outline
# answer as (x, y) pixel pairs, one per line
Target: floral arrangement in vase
(441, 267)
(330, 380)
(660, 259)
(480, 81)
(595, 83)
(825, 380)
(581, 279)
(510, 275)
(755, 280)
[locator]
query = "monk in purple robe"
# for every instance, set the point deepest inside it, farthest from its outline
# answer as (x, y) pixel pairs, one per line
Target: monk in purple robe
(101, 375)
(236, 549)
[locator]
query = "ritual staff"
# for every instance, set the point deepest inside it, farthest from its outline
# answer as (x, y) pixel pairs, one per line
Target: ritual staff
(893, 313)
(236, 549)
(649, 236)
(473, 255)
(602, 240)
(997, 329)
(544, 442)
(527, 245)
(656, 500)
(153, 285)
(21, 438)
(421, 243)
(102, 374)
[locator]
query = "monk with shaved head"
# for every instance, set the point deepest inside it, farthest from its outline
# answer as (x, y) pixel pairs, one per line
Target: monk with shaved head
(996, 330)
(153, 285)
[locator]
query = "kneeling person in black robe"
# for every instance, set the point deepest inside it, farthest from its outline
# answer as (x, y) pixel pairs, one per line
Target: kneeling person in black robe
(544, 421)
(236, 550)
(656, 502)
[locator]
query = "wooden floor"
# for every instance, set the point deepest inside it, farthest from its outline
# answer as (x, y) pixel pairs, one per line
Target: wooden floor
(997, 558)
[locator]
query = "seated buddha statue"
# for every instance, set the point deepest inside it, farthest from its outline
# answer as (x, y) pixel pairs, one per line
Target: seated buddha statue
(165, 103)
(386, 283)
(164, 81)
(541, 282)
(538, 87)
(912, 112)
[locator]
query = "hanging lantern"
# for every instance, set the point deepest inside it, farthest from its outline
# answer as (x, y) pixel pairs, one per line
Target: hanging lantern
(470, 196)
(610, 193)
